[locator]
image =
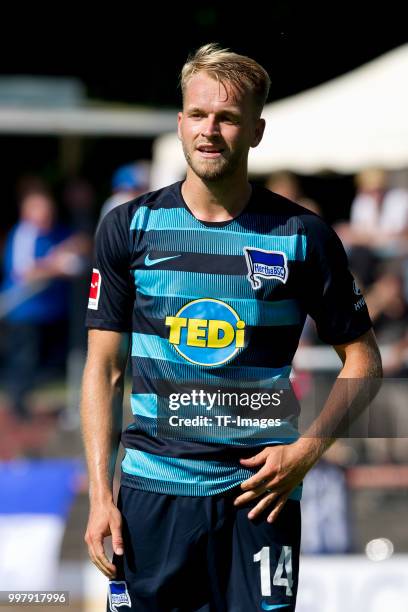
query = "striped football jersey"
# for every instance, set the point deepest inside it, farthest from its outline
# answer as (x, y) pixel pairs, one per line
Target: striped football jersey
(215, 311)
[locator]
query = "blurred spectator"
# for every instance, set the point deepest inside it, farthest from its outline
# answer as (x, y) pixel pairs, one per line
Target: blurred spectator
(387, 304)
(378, 224)
(29, 183)
(398, 357)
(34, 296)
(128, 182)
(326, 510)
(378, 213)
(287, 185)
(388, 308)
(79, 200)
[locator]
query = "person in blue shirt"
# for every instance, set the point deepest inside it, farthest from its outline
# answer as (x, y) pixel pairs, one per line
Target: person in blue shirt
(208, 282)
(34, 296)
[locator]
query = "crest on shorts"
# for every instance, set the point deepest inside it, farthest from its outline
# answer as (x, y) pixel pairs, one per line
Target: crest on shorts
(265, 264)
(118, 595)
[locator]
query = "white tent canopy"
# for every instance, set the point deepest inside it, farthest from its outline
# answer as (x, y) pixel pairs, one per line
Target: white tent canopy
(354, 121)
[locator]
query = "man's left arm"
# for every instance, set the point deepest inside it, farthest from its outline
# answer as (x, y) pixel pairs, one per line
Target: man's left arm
(283, 467)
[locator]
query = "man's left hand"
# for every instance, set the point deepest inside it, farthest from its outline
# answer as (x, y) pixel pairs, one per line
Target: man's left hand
(283, 468)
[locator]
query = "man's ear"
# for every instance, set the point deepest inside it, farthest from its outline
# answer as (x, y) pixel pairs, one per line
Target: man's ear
(179, 118)
(259, 132)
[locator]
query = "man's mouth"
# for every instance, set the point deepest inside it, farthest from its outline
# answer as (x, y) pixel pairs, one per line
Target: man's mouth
(210, 151)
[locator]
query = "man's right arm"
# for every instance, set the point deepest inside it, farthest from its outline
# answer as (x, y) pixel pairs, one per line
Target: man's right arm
(101, 421)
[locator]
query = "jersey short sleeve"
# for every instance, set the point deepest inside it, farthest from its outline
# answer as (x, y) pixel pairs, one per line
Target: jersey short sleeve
(332, 296)
(111, 295)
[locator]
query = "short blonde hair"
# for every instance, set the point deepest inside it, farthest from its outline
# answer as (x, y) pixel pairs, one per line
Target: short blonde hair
(244, 73)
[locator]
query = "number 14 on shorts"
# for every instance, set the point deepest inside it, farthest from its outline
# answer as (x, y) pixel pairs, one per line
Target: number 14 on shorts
(284, 564)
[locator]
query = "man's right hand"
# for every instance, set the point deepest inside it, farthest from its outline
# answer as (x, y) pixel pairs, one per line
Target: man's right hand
(104, 520)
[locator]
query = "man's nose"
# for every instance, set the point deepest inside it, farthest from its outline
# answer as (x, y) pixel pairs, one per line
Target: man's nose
(210, 127)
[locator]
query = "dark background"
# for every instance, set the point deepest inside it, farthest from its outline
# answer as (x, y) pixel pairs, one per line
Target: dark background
(134, 53)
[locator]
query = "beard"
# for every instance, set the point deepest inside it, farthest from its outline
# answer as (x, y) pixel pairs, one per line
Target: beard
(213, 169)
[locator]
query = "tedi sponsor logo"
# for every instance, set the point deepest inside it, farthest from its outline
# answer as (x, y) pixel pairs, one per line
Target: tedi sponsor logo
(206, 331)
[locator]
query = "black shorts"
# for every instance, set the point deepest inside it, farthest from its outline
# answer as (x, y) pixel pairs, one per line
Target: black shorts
(202, 554)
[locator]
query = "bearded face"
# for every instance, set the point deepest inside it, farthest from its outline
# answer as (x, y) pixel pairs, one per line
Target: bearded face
(216, 128)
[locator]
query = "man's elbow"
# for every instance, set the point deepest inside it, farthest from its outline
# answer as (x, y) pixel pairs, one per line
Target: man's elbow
(117, 380)
(361, 358)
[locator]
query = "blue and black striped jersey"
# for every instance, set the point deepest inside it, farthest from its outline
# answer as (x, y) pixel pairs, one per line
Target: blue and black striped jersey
(216, 310)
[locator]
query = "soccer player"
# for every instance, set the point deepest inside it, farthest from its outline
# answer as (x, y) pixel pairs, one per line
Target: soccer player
(211, 279)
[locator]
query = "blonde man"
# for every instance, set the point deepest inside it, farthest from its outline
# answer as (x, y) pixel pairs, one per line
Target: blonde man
(212, 277)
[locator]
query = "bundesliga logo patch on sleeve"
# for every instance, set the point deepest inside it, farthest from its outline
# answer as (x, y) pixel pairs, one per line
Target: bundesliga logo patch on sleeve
(94, 290)
(118, 595)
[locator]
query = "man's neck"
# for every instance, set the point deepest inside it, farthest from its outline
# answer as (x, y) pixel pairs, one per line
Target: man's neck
(216, 200)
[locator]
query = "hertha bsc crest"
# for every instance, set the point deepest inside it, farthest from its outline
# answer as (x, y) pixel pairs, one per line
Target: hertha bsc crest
(265, 264)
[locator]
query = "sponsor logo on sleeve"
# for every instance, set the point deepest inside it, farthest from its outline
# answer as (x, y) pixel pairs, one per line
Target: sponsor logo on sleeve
(356, 288)
(361, 301)
(95, 290)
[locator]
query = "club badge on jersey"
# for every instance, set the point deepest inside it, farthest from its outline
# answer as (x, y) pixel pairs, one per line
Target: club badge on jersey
(265, 264)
